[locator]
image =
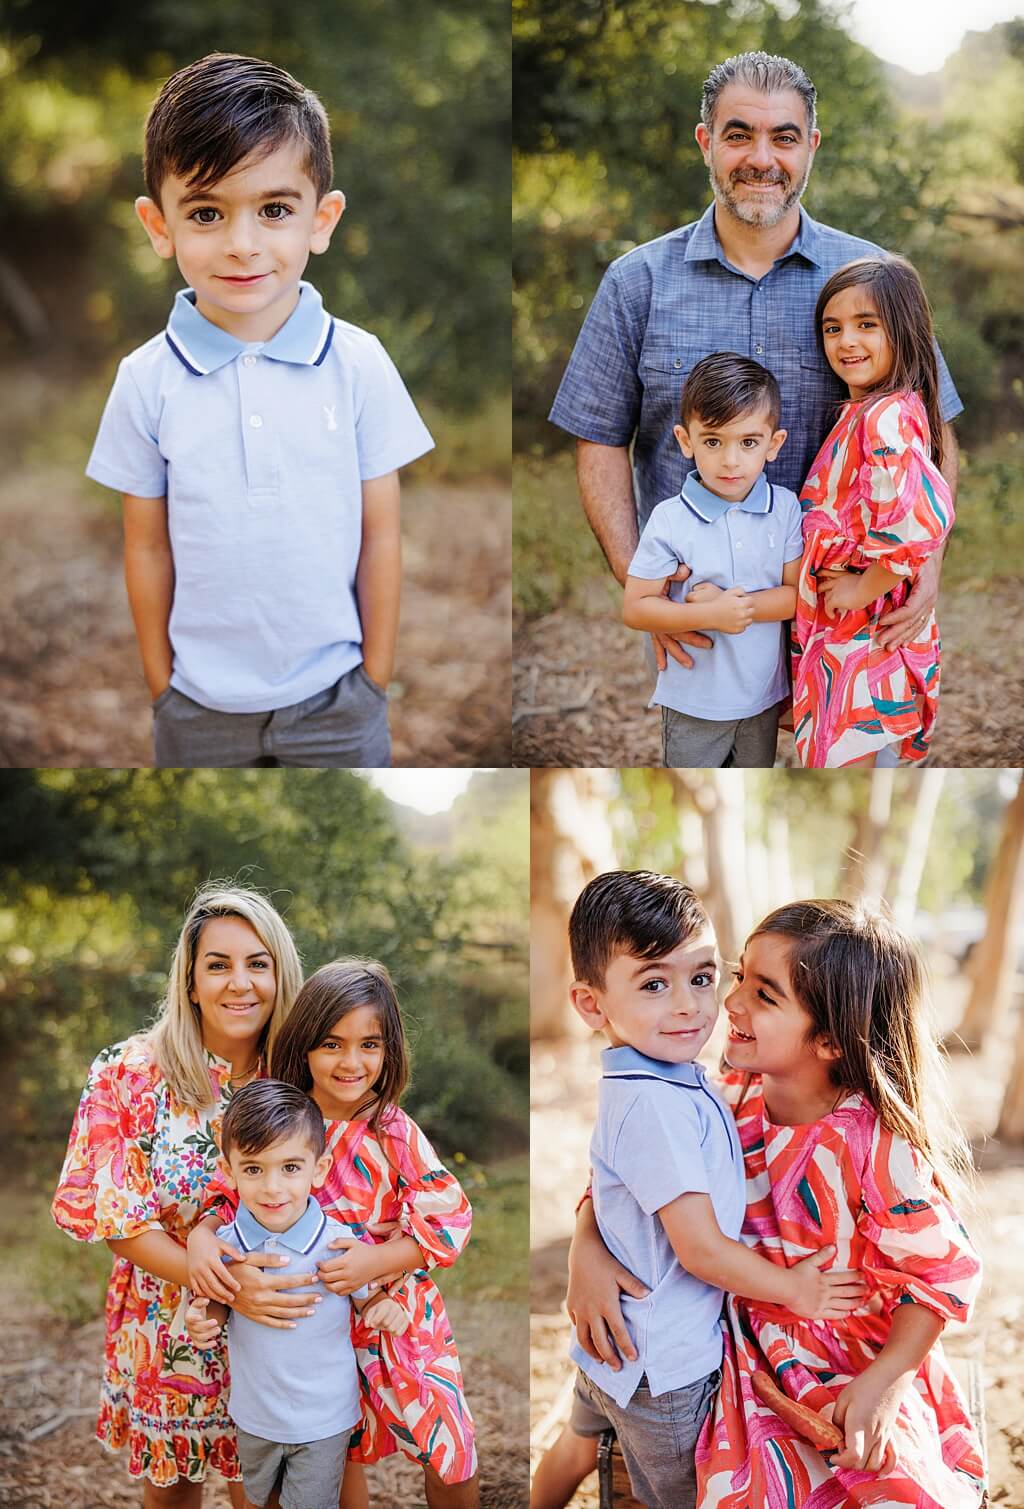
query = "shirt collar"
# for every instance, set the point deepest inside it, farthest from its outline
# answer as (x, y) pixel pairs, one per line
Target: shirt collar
(301, 1237)
(627, 1063)
(710, 508)
(704, 245)
(202, 347)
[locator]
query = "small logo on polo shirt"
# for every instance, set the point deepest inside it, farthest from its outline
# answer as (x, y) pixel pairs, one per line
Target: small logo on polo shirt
(332, 423)
(771, 542)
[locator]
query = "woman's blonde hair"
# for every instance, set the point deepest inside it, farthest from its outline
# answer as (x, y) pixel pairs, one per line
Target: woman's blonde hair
(175, 1038)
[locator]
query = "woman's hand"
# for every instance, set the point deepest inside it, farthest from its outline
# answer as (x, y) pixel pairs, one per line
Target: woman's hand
(595, 1283)
(358, 1264)
(208, 1274)
(265, 1297)
(866, 1412)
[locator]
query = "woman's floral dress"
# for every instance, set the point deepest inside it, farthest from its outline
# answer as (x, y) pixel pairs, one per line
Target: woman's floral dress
(873, 495)
(412, 1392)
(136, 1162)
(842, 1180)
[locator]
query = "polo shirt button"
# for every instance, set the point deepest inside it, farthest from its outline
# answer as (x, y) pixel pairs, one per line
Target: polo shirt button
(255, 421)
(250, 361)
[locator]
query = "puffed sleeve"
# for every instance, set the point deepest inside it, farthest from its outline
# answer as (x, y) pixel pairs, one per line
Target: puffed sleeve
(434, 1209)
(908, 509)
(106, 1190)
(916, 1249)
(218, 1195)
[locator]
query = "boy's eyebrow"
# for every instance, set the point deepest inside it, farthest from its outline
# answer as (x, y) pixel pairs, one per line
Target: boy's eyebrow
(653, 964)
(209, 197)
(735, 121)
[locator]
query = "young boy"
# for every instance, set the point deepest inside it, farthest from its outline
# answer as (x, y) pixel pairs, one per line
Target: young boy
(294, 1392)
(668, 1190)
(740, 536)
(257, 442)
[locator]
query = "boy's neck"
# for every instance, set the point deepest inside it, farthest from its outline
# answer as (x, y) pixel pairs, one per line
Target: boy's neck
(729, 502)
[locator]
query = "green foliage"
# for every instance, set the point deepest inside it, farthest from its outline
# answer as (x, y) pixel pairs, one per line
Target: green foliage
(100, 865)
(558, 562)
(420, 108)
(495, 1265)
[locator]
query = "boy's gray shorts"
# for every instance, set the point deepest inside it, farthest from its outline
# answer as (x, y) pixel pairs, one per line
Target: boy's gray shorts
(312, 1470)
(700, 743)
(658, 1437)
(345, 725)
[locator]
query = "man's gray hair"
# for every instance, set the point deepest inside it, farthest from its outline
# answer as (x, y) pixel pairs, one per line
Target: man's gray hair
(764, 72)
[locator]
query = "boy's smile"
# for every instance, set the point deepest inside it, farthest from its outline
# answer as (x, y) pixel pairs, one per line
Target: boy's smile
(274, 1184)
(243, 244)
(665, 1008)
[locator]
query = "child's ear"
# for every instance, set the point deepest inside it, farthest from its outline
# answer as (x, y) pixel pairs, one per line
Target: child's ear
(777, 442)
(328, 212)
(224, 1170)
(682, 436)
(826, 1049)
(586, 1005)
(151, 215)
(323, 1168)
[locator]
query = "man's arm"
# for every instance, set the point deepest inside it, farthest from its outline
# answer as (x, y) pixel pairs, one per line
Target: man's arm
(379, 575)
(149, 577)
(904, 624)
(605, 479)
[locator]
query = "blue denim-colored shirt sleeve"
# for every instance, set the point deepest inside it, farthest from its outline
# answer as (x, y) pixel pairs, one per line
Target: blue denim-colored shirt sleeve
(656, 555)
(949, 399)
(599, 396)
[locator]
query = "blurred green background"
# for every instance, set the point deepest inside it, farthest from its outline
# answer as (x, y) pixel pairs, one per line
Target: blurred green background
(420, 109)
(607, 96)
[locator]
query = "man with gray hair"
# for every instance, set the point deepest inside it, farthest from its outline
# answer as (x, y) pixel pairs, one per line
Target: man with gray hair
(744, 277)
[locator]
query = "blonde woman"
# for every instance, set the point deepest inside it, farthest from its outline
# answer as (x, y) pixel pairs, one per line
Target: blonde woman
(143, 1146)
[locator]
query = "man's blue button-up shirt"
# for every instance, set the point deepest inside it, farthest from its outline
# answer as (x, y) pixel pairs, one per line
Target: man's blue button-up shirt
(661, 1132)
(664, 305)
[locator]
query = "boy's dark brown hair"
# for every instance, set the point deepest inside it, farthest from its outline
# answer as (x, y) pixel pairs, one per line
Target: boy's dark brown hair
(905, 315)
(723, 386)
(630, 912)
(212, 114)
(264, 1112)
(329, 994)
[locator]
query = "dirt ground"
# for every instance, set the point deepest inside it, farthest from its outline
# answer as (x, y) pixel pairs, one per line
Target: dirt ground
(49, 1458)
(563, 1089)
(71, 684)
(568, 658)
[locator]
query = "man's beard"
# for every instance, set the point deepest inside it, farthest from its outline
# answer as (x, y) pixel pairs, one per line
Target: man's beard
(750, 211)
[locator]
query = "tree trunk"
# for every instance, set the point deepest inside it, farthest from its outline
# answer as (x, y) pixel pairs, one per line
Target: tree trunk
(864, 878)
(570, 842)
(718, 796)
(996, 955)
(927, 787)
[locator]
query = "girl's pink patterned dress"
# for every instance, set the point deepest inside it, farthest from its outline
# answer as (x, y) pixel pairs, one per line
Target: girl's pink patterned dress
(872, 495)
(137, 1162)
(412, 1391)
(842, 1180)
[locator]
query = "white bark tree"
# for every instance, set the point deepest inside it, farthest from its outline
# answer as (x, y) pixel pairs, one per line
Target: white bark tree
(995, 961)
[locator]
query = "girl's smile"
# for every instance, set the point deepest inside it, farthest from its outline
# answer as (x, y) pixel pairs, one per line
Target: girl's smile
(346, 1065)
(856, 344)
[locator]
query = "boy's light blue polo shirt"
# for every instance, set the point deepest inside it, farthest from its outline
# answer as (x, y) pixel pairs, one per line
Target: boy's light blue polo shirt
(261, 449)
(300, 1385)
(661, 1132)
(731, 545)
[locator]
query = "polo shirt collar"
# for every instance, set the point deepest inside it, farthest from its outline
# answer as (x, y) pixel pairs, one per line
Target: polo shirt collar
(704, 246)
(202, 347)
(709, 507)
(627, 1063)
(302, 1237)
